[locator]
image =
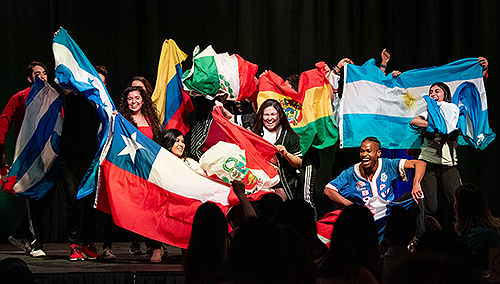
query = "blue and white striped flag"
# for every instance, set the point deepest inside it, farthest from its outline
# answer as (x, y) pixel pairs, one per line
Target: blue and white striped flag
(74, 72)
(374, 104)
(35, 169)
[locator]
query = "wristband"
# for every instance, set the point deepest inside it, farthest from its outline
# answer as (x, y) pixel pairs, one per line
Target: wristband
(383, 66)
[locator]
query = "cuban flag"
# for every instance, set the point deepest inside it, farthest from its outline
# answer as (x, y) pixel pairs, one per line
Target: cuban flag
(35, 169)
(374, 104)
(74, 72)
(150, 191)
(172, 102)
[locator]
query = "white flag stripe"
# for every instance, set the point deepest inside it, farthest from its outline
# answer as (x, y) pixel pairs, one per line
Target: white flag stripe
(37, 170)
(63, 55)
(184, 181)
(39, 106)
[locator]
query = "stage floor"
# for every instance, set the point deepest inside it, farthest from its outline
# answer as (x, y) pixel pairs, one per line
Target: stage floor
(57, 261)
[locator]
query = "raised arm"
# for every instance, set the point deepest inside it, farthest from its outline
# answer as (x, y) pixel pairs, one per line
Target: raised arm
(239, 190)
(385, 59)
(419, 167)
(419, 121)
(341, 64)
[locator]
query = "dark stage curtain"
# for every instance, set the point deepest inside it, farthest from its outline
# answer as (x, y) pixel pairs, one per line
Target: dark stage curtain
(285, 36)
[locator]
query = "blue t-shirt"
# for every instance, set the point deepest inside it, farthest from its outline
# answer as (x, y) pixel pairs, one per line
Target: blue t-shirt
(351, 185)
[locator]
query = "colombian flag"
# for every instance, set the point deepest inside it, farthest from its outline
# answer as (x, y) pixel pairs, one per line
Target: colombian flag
(309, 111)
(172, 103)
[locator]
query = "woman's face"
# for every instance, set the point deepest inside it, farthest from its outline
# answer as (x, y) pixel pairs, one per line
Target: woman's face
(137, 83)
(436, 93)
(270, 118)
(178, 147)
(134, 102)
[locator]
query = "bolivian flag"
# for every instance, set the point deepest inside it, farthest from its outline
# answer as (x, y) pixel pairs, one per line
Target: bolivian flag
(172, 103)
(309, 111)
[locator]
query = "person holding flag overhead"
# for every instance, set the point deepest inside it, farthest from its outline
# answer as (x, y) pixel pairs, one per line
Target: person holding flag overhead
(440, 129)
(31, 227)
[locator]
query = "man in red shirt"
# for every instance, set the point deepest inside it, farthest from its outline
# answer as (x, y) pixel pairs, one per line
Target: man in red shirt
(13, 114)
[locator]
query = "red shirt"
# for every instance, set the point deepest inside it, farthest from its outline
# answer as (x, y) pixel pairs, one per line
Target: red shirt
(147, 129)
(13, 113)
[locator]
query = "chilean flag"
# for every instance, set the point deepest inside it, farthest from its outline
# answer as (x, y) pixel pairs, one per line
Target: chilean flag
(172, 103)
(150, 191)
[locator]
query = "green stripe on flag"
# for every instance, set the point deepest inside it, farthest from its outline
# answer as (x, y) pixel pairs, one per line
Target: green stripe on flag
(321, 133)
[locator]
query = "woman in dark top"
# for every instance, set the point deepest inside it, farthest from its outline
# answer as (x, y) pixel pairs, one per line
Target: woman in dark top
(272, 124)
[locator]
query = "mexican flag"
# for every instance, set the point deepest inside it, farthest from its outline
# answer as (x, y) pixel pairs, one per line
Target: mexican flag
(220, 73)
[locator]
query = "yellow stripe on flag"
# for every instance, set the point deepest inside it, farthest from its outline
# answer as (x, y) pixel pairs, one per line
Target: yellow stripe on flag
(170, 56)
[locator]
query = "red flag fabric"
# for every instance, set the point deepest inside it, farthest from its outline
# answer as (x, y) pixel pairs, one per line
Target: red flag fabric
(325, 226)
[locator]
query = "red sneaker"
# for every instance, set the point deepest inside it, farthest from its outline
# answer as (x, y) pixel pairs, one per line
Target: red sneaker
(76, 253)
(90, 251)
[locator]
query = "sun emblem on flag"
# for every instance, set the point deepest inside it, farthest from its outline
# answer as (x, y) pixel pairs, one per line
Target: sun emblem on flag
(293, 111)
(410, 100)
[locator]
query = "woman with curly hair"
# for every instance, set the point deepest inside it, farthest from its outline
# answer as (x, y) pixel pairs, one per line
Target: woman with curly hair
(138, 108)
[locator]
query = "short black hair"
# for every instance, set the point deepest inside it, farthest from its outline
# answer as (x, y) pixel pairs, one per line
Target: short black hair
(101, 69)
(372, 139)
(294, 81)
(29, 69)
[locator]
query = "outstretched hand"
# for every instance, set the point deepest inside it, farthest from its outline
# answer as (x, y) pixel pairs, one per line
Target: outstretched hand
(396, 73)
(385, 56)
(483, 62)
(344, 61)
(57, 31)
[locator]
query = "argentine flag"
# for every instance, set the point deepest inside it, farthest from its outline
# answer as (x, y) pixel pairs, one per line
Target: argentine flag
(374, 104)
(74, 72)
(35, 169)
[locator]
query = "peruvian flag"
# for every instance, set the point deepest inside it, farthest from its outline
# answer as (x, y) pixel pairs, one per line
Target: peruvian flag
(256, 154)
(220, 73)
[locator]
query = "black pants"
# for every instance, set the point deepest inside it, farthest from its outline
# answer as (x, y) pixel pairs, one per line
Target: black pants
(80, 214)
(37, 209)
(439, 185)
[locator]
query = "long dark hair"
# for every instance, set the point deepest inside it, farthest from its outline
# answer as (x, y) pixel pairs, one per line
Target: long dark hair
(472, 209)
(168, 138)
(146, 83)
(148, 109)
(207, 249)
(446, 90)
(283, 121)
(453, 136)
(354, 244)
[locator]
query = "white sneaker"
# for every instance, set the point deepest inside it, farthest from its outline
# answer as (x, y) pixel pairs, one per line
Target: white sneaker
(38, 253)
